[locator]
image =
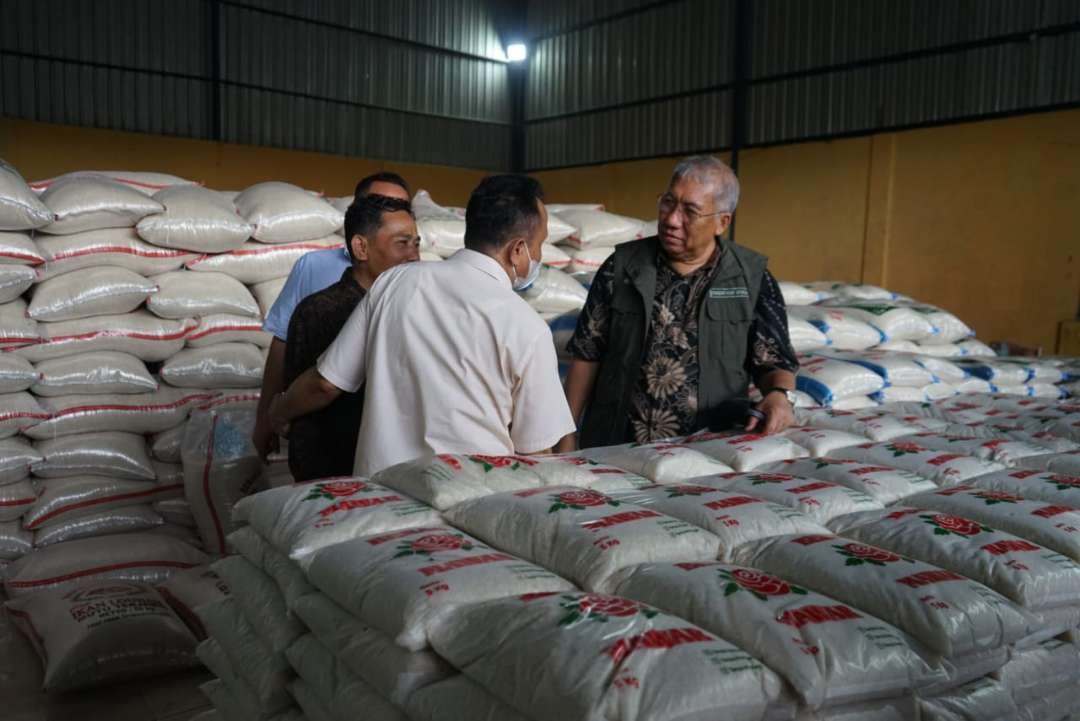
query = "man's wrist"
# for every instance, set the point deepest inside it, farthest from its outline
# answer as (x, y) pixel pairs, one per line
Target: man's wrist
(788, 394)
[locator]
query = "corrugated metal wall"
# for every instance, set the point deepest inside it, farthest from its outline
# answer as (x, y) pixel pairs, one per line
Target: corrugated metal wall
(417, 80)
(619, 79)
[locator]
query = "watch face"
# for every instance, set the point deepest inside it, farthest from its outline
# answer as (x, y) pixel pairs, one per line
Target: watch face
(790, 395)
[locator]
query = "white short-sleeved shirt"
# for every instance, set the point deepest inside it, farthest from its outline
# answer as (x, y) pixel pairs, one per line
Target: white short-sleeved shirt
(454, 362)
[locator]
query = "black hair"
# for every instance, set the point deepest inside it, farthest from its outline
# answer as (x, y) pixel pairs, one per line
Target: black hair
(501, 207)
(365, 216)
(364, 186)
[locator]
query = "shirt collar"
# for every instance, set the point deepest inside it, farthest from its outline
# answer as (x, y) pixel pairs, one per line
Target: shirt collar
(483, 263)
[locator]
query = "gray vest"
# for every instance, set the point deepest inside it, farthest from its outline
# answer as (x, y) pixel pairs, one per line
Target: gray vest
(724, 318)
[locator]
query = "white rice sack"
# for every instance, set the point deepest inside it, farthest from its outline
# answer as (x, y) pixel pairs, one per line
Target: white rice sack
(94, 291)
(896, 369)
(118, 247)
(102, 633)
(901, 394)
(1053, 526)
(227, 328)
(796, 294)
(1001, 450)
(972, 347)
(1000, 373)
(16, 374)
(441, 229)
(93, 373)
(941, 368)
(222, 365)
(829, 289)
(843, 331)
(558, 230)
(981, 700)
(938, 392)
(126, 519)
(16, 328)
(183, 294)
(396, 582)
(599, 663)
(147, 183)
(898, 346)
(599, 228)
(18, 248)
(20, 208)
(266, 673)
(129, 412)
(588, 260)
(945, 469)
(195, 219)
(287, 575)
(135, 557)
(829, 380)
(257, 262)
(370, 655)
(1025, 573)
(84, 203)
(236, 399)
(940, 350)
(165, 446)
(240, 692)
(894, 322)
(184, 534)
(555, 292)
(1034, 673)
(1054, 488)
(266, 293)
(805, 336)
(176, 511)
(168, 473)
(14, 280)
(140, 334)
(855, 403)
(552, 255)
(121, 456)
(16, 458)
(15, 541)
(887, 485)
(299, 520)
(949, 328)
(819, 500)
(260, 601)
(221, 466)
(62, 498)
(734, 518)
(583, 535)
(948, 613)
(229, 704)
(16, 499)
(821, 441)
(284, 213)
(563, 207)
(19, 411)
(659, 462)
(457, 698)
(745, 451)
(429, 256)
(330, 681)
(190, 589)
(830, 653)
(312, 706)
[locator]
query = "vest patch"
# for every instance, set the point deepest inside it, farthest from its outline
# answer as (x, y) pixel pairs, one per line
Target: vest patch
(729, 294)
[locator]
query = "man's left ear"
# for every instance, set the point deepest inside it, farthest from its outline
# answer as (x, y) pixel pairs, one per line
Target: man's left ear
(723, 222)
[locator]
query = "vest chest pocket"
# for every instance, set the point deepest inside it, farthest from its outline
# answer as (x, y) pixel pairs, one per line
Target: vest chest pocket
(730, 309)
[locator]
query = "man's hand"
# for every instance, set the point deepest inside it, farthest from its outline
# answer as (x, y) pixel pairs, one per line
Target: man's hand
(779, 415)
(264, 438)
(278, 419)
(568, 444)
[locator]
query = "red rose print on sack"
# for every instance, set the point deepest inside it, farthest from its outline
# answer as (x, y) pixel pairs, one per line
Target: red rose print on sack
(579, 500)
(450, 461)
(433, 543)
(600, 608)
(994, 497)
(859, 553)
(759, 478)
(1063, 483)
(946, 525)
(761, 585)
(330, 490)
(905, 447)
(687, 490)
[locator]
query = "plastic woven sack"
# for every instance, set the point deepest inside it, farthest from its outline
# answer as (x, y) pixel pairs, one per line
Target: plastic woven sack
(266, 294)
(829, 380)
(93, 373)
(103, 632)
(190, 589)
(334, 684)
(555, 292)
(796, 294)
(600, 661)
(16, 458)
(821, 441)
(222, 365)
(805, 336)
(16, 329)
(894, 322)
(121, 456)
(287, 575)
(228, 328)
(945, 469)
(887, 485)
(19, 411)
(91, 292)
(832, 289)
(948, 328)
(843, 331)
(257, 262)
(83, 203)
(299, 520)
(819, 500)
(599, 228)
(79, 495)
(1037, 672)
(118, 247)
(18, 249)
(165, 446)
(139, 334)
(746, 451)
(16, 499)
(896, 369)
(588, 260)
(129, 412)
(16, 374)
(1053, 488)
(981, 700)
(663, 462)
(396, 581)
(14, 279)
(195, 219)
(242, 702)
(552, 255)
(1001, 450)
(20, 208)
(147, 183)
(283, 213)
(260, 601)
(458, 697)
(183, 294)
(126, 519)
(15, 541)
(583, 535)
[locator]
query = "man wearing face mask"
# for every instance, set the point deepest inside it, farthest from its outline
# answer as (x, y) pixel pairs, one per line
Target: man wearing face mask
(453, 361)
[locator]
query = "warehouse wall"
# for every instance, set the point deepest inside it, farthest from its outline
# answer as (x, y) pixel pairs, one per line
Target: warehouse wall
(980, 218)
(42, 150)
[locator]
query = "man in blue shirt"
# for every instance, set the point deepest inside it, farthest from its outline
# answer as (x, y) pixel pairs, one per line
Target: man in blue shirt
(314, 272)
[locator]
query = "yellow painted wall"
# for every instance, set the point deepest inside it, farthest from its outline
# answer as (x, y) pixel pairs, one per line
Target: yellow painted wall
(981, 218)
(42, 150)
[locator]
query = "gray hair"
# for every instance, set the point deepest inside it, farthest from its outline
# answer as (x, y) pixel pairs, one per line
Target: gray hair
(710, 170)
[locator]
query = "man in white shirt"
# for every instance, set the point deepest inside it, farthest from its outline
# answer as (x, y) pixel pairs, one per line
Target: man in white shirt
(453, 360)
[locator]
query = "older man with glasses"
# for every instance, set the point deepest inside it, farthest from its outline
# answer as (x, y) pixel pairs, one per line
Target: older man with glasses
(676, 326)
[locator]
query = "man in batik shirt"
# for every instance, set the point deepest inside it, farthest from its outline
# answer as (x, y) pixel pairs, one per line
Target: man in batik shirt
(677, 326)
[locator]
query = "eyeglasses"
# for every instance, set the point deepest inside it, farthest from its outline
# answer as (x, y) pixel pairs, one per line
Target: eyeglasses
(667, 204)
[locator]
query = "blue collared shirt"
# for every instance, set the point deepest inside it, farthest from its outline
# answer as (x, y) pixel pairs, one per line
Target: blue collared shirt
(313, 272)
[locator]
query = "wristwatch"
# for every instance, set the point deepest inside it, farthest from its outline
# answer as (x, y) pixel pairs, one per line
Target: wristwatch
(790, 395)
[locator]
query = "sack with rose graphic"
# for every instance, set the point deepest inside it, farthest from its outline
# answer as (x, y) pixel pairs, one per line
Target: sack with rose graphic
(981, 700)
(459, 698)
(260, 601)
(372, 656)
(333, 684)
(822, 441)
(298, 520)
(574, 469)
(1065, 463)
(1047, 524)
(664, 462)
(102, 632)
(1000, 450)
(830, 653)
(562, 656)
(1037, 672)
(1024, 572)
(951, 615)
(396, 581)
(734, 518)
(942, 467)
(873, 425)
(887, 485)
(583, 535)
(1034, 485)
(820, 501)
(746, 451)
